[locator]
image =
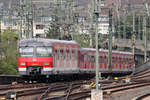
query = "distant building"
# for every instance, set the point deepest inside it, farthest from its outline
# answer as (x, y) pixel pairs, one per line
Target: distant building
(7, 24)
(103, 26)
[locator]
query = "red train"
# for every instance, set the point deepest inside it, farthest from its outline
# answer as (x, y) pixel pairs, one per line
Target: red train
(47, 57)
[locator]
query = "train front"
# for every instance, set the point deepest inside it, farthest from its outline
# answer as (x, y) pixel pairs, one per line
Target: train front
(35, 57)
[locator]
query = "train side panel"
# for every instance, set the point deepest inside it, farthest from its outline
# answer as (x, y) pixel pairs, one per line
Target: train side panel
(66, 58)
(122, 62)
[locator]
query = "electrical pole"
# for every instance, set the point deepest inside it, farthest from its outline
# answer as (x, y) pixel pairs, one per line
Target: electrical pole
(21, 18)
(91, 24)
(124, 28)
(118, 13)
(29, 19)
(110, 40)
(145, 32)
(139, 28)
(145, 39)
(96, 14)
(0, 39)
(133, 38)
(10, 16)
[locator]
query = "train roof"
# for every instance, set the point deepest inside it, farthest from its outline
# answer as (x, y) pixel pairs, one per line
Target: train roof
(43, 41)
(105, 50)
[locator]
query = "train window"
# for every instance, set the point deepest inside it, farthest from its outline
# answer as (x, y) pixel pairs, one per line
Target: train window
(43, 51)
(120, 59)
(26, 51)
(113, 59)
(67, 51)
(100, 59)
(72, 51)
(61, 51)
(92, 59)
(82, 57)
(55, 51)
(104, 56)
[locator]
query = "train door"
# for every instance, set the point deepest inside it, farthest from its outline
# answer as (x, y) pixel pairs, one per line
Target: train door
(131, 63)
(120, 64)
(82, 60)
(68, 57)
(113, 62)
(93, 61)
(85, 62)
(89, 61)
(123, 62)
(101, 60)
(105, 62)
(74, 59)
(56, 57)
(62, 58)
(116, 62)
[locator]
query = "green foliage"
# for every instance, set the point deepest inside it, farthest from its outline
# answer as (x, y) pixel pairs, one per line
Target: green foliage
(83, 40)
(9, 53)
(53, 29)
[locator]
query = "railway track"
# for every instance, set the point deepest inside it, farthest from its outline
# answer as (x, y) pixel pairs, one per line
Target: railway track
(107, 90)
(42, 91)
(143, 97)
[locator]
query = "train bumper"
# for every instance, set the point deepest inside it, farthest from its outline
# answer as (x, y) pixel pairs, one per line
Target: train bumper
(47, 71)
(22, 71)
(35, 71)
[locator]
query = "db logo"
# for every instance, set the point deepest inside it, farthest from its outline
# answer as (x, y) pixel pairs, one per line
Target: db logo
(34, 59)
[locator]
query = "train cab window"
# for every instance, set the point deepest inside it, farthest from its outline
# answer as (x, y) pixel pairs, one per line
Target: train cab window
(26, 51)
(43, 51)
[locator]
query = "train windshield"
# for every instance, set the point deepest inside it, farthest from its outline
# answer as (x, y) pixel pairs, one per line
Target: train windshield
(44, 51)
(26, 51)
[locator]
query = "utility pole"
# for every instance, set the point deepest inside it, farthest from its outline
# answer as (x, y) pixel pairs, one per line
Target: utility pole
(96, 14)
(124, 27)
(145, 39)
(29, 19)
(139, 28)
(110, 40)
(118, 14)
(10, 16)
(144, 30)
(0, 39)
(91, 24)
(133, 38)
(21, 18)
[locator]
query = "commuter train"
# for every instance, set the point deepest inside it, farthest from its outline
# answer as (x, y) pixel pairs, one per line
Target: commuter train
(46, 57)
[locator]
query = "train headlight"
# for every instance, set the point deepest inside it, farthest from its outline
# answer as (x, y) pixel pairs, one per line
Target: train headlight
(13, 96)
(46, 63)
(23, 64)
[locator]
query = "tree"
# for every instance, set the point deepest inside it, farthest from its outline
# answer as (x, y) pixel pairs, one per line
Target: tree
(53, 29)
(9, 53)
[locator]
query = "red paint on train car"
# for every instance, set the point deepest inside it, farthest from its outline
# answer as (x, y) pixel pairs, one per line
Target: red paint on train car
(35, 61)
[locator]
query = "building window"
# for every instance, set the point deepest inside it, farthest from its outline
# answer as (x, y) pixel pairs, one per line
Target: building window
(39, 27)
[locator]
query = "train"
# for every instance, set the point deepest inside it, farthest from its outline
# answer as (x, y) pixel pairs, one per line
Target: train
(47, 57)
